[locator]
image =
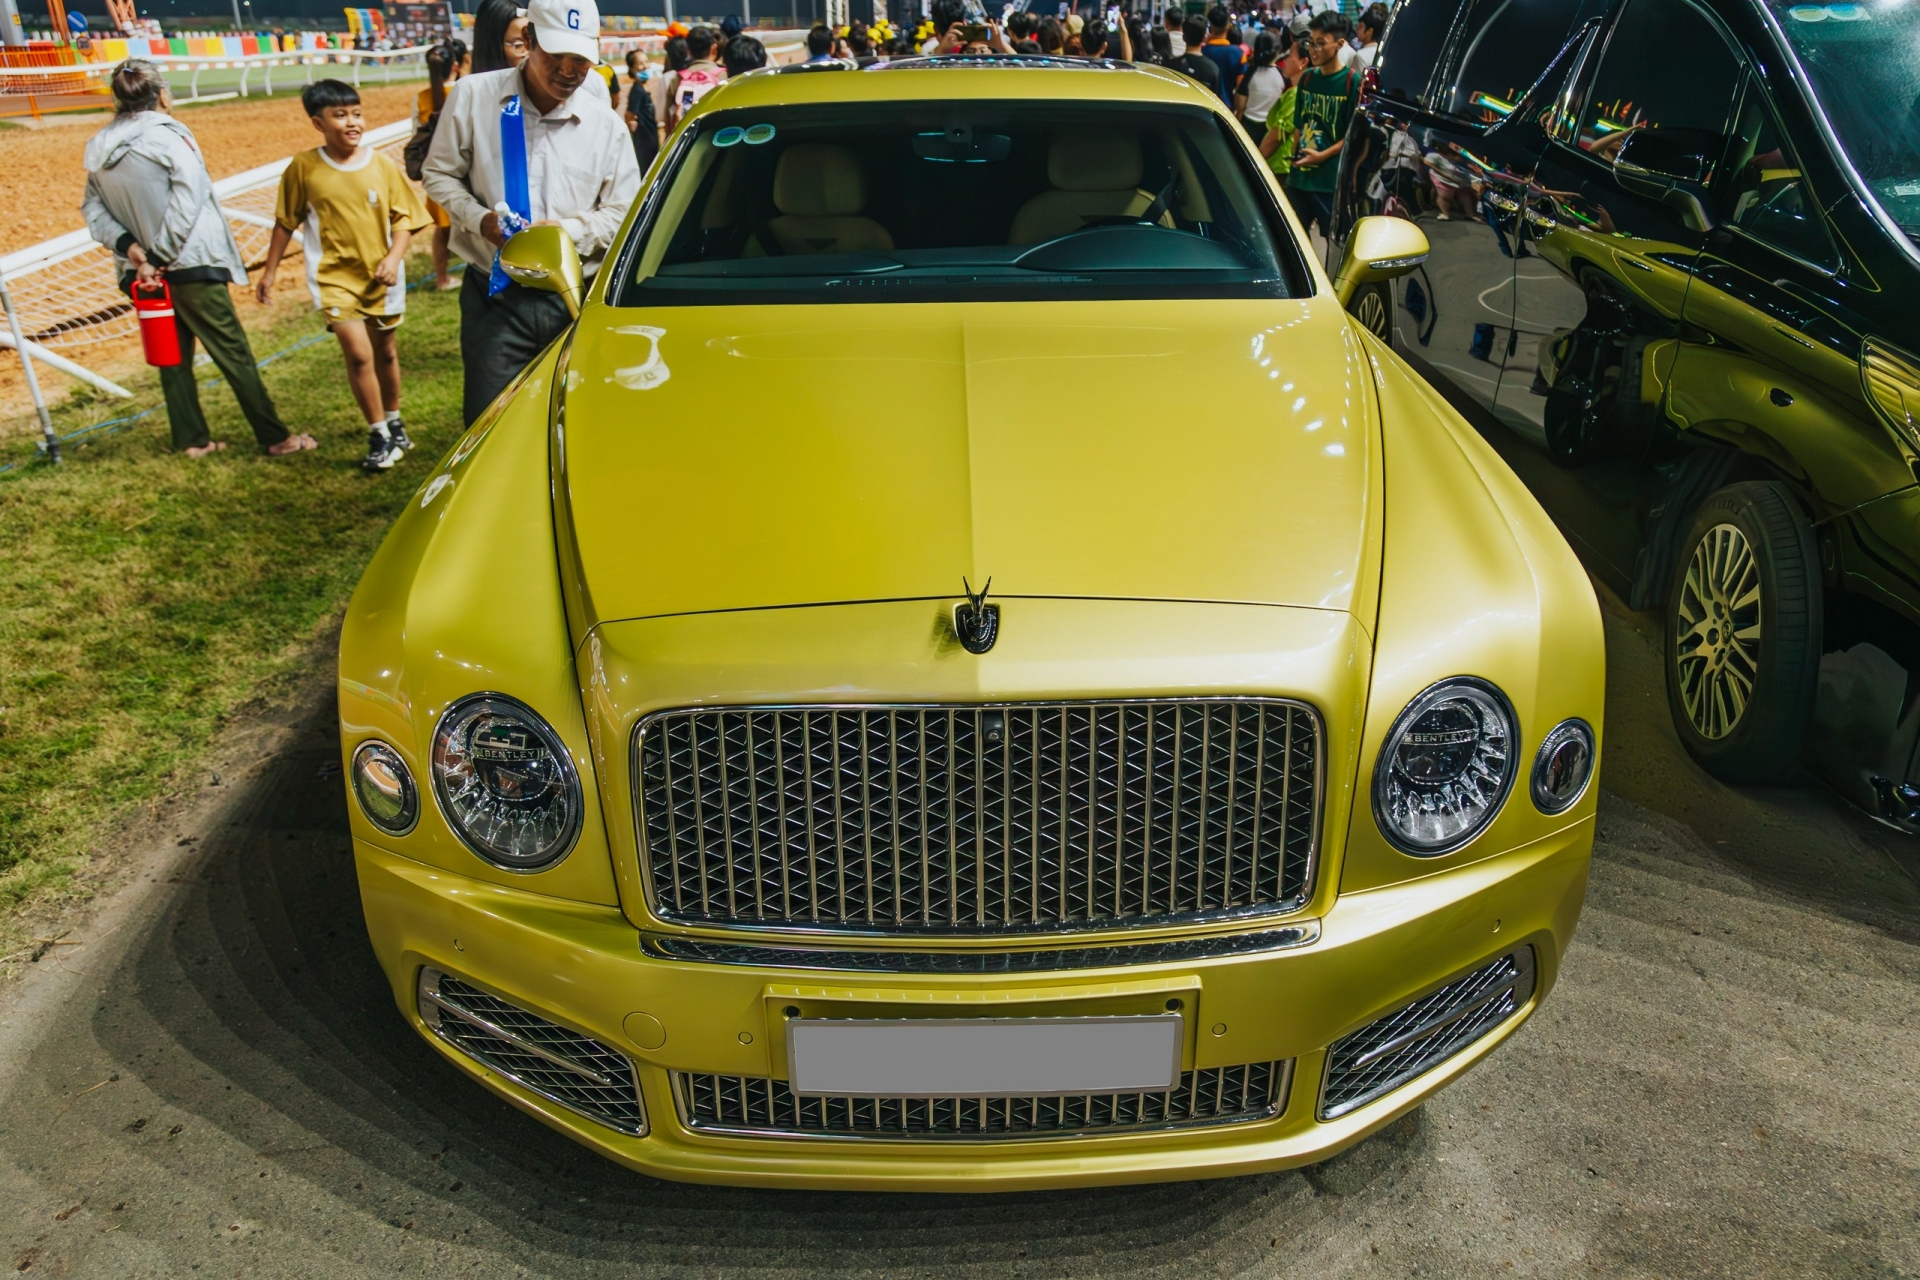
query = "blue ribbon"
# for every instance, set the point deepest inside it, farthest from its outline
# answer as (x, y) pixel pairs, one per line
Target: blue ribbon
(513, 178)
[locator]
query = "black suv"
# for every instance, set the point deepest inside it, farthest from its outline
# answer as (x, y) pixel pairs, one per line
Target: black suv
(1675, 281)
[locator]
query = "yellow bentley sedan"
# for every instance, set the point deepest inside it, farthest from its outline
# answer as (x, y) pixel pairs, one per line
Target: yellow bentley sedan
(965, 668)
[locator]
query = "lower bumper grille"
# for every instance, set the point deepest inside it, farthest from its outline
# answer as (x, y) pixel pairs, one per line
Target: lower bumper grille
(1385, 1054)
(562, 1066)
(756, 1106)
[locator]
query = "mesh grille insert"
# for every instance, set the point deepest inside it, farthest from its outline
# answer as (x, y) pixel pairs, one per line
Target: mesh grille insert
(563, 1066)
(751, 1104)
(1385, 1054)
(978, 819)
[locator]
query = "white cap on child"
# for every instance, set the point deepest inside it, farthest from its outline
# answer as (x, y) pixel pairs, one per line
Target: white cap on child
(566, 26)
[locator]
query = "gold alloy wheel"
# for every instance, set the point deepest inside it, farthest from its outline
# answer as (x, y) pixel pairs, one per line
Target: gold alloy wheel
(1717, 631)
(1370, 309)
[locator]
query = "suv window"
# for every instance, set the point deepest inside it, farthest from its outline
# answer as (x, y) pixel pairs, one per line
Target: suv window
(1411, 49)
(1762, 191)
(1666, 67)
(1472, 58)
(1504, 48)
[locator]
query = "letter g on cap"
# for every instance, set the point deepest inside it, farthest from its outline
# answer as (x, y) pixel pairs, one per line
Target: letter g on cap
(573, 19)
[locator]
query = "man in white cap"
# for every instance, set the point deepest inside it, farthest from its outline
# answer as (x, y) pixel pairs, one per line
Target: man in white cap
(531, 139)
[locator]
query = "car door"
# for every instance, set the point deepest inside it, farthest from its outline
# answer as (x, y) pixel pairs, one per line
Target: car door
(1617, 215)
(1769, 361)
(1449, 72)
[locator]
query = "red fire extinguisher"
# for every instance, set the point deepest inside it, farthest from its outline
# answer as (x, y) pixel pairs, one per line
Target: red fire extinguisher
(153, 303)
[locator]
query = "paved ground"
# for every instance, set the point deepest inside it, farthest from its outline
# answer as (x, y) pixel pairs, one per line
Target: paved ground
(215, 1082)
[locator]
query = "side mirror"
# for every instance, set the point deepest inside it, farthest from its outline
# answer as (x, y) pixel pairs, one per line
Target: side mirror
(544, 258)
(1671, 166)
(1380, 248)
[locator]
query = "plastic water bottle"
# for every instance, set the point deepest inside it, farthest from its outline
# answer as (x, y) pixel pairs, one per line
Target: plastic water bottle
(511, 225)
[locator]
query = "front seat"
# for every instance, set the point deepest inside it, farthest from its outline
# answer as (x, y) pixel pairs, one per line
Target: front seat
(1095, 175)
(819, 191)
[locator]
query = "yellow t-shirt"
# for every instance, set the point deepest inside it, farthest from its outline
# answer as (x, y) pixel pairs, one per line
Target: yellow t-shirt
(346, 216)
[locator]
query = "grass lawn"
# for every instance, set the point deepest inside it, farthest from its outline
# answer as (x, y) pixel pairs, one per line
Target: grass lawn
(144, 596)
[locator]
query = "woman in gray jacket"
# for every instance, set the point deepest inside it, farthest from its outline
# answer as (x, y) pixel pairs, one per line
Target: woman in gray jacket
(150, 200)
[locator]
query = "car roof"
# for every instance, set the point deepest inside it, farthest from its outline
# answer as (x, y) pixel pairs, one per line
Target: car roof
(933, 79)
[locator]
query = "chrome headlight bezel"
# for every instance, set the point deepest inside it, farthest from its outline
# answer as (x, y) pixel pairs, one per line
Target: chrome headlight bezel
(373, 754)
(449, 760)
(1491, 702)
(1567, 733)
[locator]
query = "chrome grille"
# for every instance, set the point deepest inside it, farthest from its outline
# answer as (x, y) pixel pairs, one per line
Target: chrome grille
(1385, 1054)
(754, 1105)
(563, 1066)
(978, 819)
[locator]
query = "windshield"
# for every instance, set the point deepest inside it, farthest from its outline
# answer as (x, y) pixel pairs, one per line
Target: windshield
(965, 200)
(1864, 60)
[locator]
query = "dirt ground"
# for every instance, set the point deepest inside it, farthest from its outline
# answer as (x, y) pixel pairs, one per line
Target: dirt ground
(41, 179)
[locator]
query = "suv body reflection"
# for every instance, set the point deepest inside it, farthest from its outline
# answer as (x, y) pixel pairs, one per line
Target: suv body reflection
(1684, 310)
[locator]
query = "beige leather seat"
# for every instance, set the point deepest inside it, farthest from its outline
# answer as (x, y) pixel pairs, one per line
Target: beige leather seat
(1094, 176)
(820, 193)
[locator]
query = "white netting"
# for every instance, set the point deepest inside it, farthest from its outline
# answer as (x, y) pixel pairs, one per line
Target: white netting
(68, 295)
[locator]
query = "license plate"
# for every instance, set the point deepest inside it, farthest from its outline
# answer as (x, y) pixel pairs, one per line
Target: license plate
(982, 1057)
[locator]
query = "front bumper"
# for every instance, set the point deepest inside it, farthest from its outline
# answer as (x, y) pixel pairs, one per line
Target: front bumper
(583, 967)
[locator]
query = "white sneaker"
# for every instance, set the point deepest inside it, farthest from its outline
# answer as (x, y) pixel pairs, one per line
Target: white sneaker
(382, 452)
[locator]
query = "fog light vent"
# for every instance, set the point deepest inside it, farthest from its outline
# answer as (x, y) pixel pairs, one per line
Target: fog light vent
(577, 1072)
(1385, 1054)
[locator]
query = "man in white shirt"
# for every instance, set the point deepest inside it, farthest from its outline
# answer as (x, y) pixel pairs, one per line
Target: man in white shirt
(579, 173)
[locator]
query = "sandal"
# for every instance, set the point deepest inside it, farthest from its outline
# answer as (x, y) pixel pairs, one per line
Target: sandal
(205, 450)
(291, 445)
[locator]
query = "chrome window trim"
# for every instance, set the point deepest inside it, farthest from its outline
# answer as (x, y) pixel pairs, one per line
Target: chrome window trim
(1224, 915)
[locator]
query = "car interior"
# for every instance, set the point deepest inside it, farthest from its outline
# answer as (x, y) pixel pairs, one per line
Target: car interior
(955, 195)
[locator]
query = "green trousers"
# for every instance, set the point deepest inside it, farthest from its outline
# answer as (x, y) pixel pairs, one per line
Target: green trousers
(203, 309)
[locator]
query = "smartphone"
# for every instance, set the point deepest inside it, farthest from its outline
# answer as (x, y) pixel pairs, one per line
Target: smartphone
(974, 34)
(1113, 17)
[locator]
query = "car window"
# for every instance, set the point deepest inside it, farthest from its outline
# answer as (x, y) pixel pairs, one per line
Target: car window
(971, 199)
(1416, 37)
(1506, 46)
(1666, 66)
(1864, 63)
(1761, 189)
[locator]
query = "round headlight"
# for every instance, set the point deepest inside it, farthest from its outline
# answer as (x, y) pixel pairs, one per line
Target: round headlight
(505, 783)
(1446, 767)
(1561, 769)
(384, 788)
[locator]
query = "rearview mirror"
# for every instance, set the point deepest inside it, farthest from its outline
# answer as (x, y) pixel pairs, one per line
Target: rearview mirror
(544, 258)
(1380, 248)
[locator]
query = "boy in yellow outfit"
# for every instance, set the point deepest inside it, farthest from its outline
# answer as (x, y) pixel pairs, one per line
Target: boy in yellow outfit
(356, 213)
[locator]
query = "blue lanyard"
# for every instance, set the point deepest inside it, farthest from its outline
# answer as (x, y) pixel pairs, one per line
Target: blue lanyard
(513, 159)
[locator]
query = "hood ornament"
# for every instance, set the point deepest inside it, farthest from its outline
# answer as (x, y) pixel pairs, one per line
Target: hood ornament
(975, 622)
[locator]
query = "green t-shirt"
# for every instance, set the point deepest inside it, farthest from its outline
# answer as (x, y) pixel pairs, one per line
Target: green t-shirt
(1280, 121)
(1323, 110)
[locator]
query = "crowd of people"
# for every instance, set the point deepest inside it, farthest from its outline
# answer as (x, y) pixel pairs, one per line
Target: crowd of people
(528, 127)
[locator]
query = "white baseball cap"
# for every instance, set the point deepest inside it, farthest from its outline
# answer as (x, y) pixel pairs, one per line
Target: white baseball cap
(566, 26)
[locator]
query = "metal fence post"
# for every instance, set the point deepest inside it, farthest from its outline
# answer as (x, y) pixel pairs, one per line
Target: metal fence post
(26, 366)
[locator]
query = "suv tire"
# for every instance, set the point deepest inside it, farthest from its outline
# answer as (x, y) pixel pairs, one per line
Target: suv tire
(1372, 306)
(1743, 633)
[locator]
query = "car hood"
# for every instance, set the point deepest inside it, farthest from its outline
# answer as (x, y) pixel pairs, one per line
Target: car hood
(752, 457)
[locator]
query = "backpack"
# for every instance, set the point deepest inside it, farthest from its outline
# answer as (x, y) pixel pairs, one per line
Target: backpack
(415, 153)
(693, 86)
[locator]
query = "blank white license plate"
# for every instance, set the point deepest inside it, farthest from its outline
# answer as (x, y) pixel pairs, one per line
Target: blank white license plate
(983, 1057)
